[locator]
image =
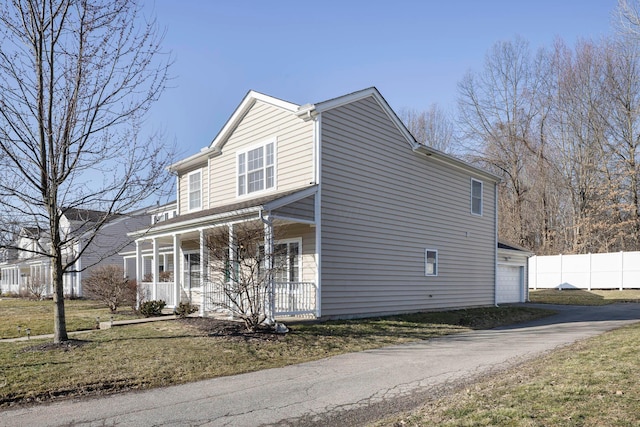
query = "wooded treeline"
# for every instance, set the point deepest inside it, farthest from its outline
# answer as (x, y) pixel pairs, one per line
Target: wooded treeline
(561, 126)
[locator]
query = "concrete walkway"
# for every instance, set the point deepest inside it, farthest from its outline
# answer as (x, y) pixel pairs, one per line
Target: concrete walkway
(102, 325)
(350, 389)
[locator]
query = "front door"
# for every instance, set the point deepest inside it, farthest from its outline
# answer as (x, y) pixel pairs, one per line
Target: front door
(286, 262)
(191, 269)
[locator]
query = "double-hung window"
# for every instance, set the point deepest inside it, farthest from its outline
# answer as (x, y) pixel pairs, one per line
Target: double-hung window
(256, 169)
(430, 262)
(195, 190)
(476, 197)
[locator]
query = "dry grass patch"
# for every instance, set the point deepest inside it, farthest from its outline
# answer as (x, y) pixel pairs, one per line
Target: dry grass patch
(179, 351)
(38, 316)
(591, 383)
(583, 297)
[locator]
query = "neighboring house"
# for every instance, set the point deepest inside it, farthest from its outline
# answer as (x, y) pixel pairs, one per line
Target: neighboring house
(24, 269)
(20, 265)
(512, 284)
(373, 222)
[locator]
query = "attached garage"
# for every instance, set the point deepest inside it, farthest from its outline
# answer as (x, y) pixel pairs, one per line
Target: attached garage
(511, 278)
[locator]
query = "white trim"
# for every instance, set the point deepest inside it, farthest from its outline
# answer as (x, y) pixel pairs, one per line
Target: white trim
(495, 244)
(188, 178)
(186, 225)
(377, 96)
(245, 151)
(452, 161)
(473, 180)
(209, 183)
(245, 105)
(318, 212)
(293, 219)
(177, 195)
(297, 240)
(426, 263)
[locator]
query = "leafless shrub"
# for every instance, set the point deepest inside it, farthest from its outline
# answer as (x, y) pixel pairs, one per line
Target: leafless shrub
(108, 284)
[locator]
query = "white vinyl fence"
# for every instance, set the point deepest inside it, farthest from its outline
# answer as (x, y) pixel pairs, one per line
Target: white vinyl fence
(616, 270)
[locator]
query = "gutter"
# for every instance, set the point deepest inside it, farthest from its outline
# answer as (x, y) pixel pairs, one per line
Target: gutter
(268, 243)
(196, 221)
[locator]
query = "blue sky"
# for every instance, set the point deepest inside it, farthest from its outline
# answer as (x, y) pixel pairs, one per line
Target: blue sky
(414, 52)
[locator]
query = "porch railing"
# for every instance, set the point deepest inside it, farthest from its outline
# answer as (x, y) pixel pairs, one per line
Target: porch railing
(291, 298)
(163, 291)
(295, 298)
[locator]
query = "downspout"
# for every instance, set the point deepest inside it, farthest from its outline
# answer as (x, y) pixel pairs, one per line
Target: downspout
(268, 254)
(318, 211)
(495, 245)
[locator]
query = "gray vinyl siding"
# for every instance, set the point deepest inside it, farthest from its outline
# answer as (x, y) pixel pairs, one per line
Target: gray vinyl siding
(302, 209)
(294, 152)
(382, 206)
(111, 240)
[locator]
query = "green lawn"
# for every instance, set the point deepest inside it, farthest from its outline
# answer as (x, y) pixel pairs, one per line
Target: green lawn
(176, 351)
(38, 316)
(582, 297)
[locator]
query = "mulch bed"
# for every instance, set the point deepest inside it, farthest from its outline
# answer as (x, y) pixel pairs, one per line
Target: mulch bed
(232, 330)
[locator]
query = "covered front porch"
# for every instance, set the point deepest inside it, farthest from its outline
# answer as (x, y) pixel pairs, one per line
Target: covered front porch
(205, 262)
(26, 277)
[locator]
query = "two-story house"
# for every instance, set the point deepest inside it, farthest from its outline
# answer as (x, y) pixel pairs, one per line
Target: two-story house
(372, 222)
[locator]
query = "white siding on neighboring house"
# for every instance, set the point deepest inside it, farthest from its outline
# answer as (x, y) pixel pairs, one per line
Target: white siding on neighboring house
(382, 206)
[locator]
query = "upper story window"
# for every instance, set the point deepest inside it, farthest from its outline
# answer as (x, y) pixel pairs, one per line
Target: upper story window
(476, 197)
(256, 169)
(195, 190)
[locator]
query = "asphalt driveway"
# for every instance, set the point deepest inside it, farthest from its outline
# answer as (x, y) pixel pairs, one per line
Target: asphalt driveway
(344, 390)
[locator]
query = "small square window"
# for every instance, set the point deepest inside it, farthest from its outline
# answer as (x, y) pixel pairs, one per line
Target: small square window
(430, 262)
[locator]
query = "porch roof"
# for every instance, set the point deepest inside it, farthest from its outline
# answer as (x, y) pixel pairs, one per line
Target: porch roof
(228, 212)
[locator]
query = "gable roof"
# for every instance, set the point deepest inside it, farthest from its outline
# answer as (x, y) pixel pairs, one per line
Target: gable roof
(308, 112)
(215, 147)
(87, 215)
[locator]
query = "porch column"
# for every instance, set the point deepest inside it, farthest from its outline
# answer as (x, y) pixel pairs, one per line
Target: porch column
(268, 266)
(204, 279)
(138, 271)
(78, 271)
(233, 247)
(177, 268)
(155, 268)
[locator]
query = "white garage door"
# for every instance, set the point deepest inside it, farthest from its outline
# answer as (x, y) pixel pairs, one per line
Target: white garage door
(509, 284)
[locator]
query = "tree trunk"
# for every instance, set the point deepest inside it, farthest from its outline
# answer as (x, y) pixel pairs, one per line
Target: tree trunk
(59, 320)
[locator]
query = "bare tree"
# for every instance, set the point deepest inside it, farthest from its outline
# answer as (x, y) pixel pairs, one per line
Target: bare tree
(76, 79)
(628, 17)
(432, 127)
(241, 271)
(498, 113)
(579, 130)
